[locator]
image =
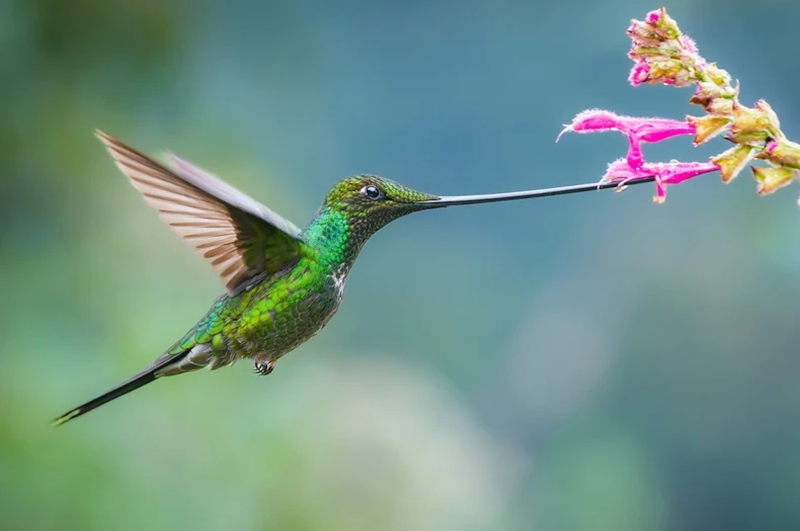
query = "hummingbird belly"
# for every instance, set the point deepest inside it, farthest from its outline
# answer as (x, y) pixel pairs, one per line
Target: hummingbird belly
(263, 322)
(283, 313)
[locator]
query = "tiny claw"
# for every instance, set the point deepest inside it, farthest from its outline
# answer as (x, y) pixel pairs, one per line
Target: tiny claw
(263, 368)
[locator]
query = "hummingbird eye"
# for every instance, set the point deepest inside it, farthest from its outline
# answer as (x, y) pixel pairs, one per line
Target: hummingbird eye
(372, 191)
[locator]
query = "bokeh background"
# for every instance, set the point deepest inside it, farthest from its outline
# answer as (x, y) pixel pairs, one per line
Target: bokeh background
(593, 362)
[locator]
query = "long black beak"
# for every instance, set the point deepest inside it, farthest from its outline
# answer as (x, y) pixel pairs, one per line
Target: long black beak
(452, 200)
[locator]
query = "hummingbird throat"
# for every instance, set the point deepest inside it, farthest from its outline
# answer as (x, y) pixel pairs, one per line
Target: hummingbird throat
(331, 234)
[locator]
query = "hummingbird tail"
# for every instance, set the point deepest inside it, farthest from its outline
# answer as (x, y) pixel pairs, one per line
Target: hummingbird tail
(140, 380)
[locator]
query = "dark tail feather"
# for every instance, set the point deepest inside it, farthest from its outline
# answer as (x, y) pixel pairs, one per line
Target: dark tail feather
(140, 380)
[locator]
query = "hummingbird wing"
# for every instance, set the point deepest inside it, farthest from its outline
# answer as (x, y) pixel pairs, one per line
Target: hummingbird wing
(242, 239)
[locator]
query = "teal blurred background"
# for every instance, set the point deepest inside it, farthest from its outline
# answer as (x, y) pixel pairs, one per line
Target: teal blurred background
(594, 362)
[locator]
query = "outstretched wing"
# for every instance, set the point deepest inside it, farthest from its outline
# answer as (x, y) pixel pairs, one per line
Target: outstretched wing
(241, 238)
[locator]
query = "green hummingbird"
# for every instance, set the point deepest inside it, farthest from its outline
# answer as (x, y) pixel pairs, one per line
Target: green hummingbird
(283, 284)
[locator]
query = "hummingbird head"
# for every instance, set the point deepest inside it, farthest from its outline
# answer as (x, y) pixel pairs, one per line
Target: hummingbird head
(369, 202)
(356, 208)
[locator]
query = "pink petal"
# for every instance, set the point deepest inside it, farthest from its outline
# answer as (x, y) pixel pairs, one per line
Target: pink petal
(635, 157)
(666, 173)
(619, 170)
(653, 16)
(593, 120)
(658, 129)
(646, 129)
(677, 172)
(639, 73)
(771, 145)
(661, 193)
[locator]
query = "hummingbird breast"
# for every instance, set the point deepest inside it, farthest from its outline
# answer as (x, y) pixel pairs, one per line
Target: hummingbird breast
(284, 311)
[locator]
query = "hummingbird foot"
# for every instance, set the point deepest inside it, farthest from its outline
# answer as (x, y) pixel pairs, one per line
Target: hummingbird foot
(264, 368)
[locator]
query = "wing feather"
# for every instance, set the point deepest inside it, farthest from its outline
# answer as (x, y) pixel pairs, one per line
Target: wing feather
(239, 237)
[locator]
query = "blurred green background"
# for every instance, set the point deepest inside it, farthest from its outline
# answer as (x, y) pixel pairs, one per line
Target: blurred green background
(595, 362)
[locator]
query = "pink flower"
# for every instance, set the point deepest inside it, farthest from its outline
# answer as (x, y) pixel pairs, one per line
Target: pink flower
(666, 173)
(638, 129)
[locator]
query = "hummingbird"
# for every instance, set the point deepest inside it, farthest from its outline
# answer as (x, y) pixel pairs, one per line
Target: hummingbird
(282, 284)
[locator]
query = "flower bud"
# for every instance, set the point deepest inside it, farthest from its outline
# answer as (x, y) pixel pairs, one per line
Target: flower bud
(663, 24)
(715, 99)
(707, 127)
(643, 33)
(732, 161)
(667, 71)
(782, 152)
(638, 52)
(717, 75)
(771, 179)
(766, 108)
(754, 125)
(722, 106)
